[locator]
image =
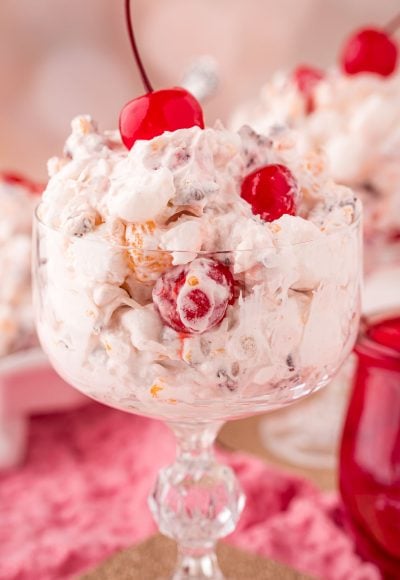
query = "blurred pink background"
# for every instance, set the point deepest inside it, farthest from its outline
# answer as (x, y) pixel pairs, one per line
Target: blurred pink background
(62, 58)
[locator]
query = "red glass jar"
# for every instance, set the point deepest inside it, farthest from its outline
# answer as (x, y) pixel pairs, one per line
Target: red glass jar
(370, 449)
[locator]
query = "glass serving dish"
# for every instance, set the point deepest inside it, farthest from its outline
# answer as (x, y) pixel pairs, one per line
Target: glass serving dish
(265, 328)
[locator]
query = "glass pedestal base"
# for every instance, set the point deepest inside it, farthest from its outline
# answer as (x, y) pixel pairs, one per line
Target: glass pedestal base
(196, 501)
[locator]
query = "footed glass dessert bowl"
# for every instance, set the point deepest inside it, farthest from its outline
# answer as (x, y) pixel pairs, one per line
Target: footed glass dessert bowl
(194, 275)
(195, 338)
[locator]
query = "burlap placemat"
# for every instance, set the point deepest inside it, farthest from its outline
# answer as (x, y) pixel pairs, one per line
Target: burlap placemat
(155, 559)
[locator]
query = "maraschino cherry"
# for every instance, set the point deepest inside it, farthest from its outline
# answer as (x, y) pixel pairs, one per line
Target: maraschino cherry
(17, 179)
(270, 191)
(306, 79)
(371, 50)
(157, 111)
(193, 298)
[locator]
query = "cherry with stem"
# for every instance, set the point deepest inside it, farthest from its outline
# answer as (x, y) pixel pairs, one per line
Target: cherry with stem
(372, 50)
(156, 112)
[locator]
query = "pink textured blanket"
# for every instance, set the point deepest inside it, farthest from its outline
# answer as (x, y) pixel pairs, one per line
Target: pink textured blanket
(82, 495)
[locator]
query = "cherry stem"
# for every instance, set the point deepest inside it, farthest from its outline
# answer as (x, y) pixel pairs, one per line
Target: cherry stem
(143, 74)
(393, 25)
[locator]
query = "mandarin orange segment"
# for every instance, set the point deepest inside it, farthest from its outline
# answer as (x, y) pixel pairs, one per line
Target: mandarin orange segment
(147, 265)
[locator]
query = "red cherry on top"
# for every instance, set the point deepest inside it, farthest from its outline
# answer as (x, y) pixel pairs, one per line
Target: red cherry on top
(166, 110)
(306, 78)
(369, 50)
(194, 298)
(270, 191)
(17, 179)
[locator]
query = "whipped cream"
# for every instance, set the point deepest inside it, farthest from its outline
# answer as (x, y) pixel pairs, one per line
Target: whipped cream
(115, 221)
(17, 205)
(356, 120)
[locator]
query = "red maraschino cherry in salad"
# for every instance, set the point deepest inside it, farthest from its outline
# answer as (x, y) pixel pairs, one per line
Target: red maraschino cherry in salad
(372, 50)
(193, 298)
(270, 191)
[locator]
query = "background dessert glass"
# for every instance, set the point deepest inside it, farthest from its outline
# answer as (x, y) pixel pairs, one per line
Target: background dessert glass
(272, 347)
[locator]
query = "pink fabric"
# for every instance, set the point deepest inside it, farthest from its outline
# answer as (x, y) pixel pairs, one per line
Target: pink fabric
(82, 495)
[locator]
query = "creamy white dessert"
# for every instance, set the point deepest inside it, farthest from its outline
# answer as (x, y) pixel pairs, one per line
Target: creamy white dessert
(356, 119)
(159, 289)
(17, 204)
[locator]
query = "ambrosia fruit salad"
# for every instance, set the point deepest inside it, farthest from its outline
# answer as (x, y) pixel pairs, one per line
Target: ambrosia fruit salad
(200, 264)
